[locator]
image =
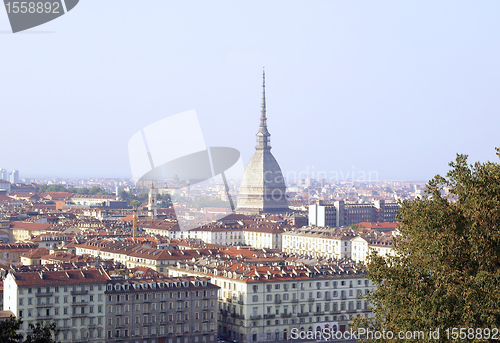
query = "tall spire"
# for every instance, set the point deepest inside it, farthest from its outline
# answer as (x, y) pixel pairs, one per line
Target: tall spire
(263, 134)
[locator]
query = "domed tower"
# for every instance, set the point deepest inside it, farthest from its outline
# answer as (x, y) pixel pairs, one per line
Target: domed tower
(262, 188)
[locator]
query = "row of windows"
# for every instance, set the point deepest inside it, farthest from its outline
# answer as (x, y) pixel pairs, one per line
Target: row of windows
(318, 295)
(318, 285)
(75, 299)
(162, 295)
(145, 331)
(56, 289)
(152, 318)
(161, 306)
(60, 311)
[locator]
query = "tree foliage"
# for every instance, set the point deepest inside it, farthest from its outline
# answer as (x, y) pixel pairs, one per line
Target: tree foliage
(94, 190)
(8, 330)
(42, 333)
(446, 271)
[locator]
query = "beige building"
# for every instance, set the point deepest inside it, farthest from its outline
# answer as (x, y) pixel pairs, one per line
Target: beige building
(24, 231)
(11, 253)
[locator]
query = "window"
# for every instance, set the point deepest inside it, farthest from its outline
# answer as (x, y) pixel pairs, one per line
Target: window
(255, 298)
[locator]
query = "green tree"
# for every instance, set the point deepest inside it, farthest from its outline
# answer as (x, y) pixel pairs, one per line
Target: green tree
(42, 333)
(446, 270)
(8, 330)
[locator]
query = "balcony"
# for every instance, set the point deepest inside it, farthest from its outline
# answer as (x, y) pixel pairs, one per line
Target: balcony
(310, 299)
(44, 305)
(255, 317)
(49, 294)
(241, 302)
(305, 314)
(334, 312)
(319, 313)
(343, 297)
(286, 315)
(79, 292)
(269, 316)
(328, 297)
(79, 315)
(277, 301)
(295, 300)
(80, 303)
(351, 311)
(44, 317)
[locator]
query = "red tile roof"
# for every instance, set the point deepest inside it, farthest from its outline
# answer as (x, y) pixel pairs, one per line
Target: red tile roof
(68, 277)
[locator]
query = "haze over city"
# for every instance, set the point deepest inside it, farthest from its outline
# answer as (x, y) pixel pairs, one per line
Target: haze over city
(389, 88)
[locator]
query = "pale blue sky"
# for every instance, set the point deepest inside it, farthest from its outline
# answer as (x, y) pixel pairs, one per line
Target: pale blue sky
(392, 87)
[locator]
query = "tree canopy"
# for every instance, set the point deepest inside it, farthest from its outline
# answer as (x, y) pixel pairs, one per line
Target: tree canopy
(94, 190)
(446, 270)
(41, 333)
(8, 330)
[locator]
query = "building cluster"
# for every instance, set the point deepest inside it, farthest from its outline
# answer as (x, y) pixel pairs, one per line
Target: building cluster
(284, 259)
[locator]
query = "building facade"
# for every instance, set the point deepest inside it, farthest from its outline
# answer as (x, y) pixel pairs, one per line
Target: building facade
(264, 303)
(73, 299)
(161, 310)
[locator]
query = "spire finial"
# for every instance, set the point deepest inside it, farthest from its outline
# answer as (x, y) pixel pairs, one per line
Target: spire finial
(263, 106)
(263, 134)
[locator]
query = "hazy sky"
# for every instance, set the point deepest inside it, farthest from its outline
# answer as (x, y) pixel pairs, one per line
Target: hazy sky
(395, 88)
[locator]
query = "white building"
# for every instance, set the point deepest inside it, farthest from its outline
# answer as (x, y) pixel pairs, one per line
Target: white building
(365, 244)
(74, 299)
(14, 176)
(319, 242)
(264, 303)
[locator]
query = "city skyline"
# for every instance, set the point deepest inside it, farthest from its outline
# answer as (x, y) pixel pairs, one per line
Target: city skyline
(389, 90)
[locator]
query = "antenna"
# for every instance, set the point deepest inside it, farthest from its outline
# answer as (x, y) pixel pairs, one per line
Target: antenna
(134, 223)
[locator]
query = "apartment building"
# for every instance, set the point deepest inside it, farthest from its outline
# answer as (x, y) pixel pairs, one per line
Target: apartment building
(259, 303)
(365, 244)
(319, 242)
(217, 234)
(74, 299)
(11, 253)
(161, 309)
(341, 213)
(337, 243)
(24, 231)
(263, 236)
